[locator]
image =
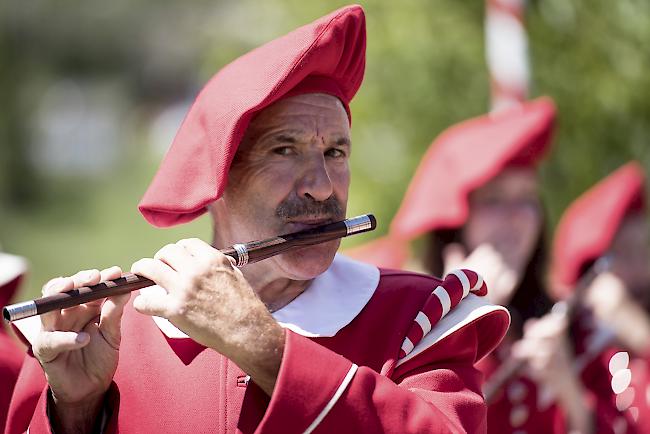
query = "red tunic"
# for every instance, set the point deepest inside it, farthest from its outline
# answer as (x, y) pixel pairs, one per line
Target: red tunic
(11, 358)
(12, 269)
(165, 384)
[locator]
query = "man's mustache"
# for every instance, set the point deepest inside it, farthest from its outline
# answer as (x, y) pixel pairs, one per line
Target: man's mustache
(296, 208)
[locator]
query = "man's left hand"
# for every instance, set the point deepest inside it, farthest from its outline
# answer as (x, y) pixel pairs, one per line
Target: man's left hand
(209, 299)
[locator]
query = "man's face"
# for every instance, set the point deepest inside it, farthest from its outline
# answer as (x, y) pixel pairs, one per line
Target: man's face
(506, 213)
(630, 255)
(290, 173)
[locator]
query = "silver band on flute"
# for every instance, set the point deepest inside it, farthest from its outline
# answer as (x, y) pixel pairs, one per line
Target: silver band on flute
(242, 254)
(358, 224)
(18, 311)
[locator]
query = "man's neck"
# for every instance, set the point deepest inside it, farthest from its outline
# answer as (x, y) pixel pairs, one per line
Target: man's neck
(275, 292)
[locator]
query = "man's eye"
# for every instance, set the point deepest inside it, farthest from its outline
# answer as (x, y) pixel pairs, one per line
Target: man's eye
(283, 150)
(335, 153)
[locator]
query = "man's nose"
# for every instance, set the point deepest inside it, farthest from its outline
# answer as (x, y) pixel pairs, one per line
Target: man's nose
(315, 181)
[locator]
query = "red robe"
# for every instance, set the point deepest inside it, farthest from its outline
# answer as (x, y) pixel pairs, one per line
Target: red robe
(11, 358)
(172, 384)
(12, 269)
(523, 405)
(629, 377)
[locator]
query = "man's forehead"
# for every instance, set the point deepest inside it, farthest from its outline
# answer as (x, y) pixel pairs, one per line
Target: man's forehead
(514, 179)
(632, 225)
(300, 115)
(316, 105)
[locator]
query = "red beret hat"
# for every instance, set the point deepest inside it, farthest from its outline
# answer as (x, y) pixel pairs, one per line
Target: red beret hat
(590, 223)
(465, 157)
(326, 56)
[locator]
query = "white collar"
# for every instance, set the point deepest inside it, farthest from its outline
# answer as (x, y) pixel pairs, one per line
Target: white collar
(330, 302)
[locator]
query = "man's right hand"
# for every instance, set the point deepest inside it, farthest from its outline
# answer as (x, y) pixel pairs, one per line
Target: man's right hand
(78, 349)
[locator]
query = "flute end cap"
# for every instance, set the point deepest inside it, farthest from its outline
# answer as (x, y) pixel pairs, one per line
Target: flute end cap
(373, 221)
(17, 311)
(360, 224)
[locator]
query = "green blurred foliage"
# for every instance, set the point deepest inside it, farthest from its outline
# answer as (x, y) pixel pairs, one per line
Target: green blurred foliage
(425, 71)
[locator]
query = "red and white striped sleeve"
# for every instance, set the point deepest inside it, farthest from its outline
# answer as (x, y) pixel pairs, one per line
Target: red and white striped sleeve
(457, 285)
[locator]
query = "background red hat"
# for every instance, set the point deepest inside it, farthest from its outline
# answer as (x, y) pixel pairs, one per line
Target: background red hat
(590, 223)
(465, 157)
(326, 56)
(461, 159)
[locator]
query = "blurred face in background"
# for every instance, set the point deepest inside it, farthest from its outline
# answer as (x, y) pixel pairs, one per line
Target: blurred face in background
(506, 213)
(630, 257)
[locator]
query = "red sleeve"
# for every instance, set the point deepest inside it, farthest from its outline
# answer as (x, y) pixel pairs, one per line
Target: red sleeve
(29, 411)
(11, 359)
(40, 423)
(30, 390)
(438, 392)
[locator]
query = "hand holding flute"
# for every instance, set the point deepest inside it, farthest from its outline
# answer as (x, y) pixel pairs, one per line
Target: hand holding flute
(78, 350)
(206, 296)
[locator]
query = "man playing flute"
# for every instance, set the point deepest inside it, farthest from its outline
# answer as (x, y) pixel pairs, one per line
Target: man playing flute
(307, 341)
(608, 225)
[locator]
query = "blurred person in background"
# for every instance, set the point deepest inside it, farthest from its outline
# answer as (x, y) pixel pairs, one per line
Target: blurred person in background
(484, 170)
(300, 342)
(12, 272)
(609, 223)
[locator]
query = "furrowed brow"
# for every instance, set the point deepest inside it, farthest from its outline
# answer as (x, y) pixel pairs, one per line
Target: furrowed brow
(284, 138)
(343, 141)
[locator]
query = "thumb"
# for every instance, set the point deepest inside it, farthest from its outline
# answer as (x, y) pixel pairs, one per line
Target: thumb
(453, 256)
(49, 345)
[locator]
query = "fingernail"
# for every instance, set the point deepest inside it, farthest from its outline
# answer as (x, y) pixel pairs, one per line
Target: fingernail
(82, 337)
(55, 284)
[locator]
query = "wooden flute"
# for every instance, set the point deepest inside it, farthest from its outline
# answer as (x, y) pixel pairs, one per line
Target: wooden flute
(243, 254)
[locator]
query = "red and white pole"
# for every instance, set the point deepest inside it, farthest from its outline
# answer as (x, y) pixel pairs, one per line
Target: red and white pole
(506, 45)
